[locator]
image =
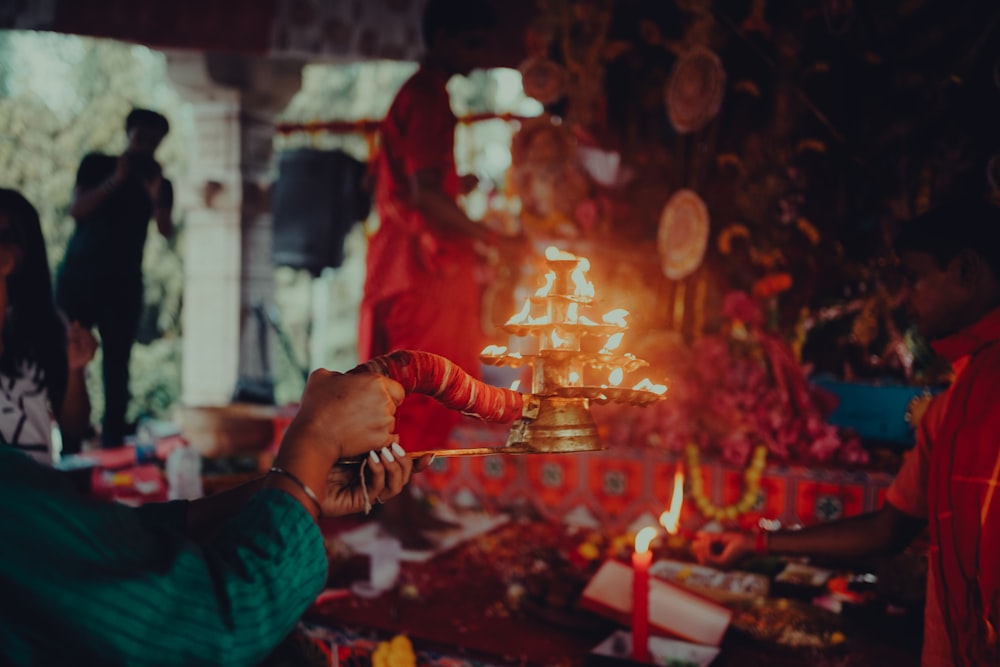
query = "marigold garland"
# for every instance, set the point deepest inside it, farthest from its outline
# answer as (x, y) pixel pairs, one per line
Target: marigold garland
(751, 489)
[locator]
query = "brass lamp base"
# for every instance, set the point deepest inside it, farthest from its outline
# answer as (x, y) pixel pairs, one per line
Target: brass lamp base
(554, 425)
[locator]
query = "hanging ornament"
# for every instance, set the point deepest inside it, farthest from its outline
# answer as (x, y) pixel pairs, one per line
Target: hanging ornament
(683, 234)
(543, 80)
(695, 89)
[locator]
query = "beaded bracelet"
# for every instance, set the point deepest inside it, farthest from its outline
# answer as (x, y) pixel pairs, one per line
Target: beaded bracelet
(302, 485)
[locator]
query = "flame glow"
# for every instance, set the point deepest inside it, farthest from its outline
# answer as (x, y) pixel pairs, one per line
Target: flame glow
(616, 377)
(522, 316)
(574, 378)
(493, 350)
(550, 280)
(671, 519)
(515, 385)
(646, 385)
(616, 317)
(613, 343)
(643, 538)
(553, 254)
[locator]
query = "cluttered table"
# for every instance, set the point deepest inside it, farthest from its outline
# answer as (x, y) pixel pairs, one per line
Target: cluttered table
(511, 595)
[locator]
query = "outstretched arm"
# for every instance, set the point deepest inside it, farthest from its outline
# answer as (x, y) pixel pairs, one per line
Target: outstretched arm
(886, 531)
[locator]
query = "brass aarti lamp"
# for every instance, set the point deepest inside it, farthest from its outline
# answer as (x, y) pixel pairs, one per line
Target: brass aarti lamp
(556, 414)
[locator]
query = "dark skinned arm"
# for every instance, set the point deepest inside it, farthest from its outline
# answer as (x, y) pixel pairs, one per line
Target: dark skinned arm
(429, 197)
(884, 532)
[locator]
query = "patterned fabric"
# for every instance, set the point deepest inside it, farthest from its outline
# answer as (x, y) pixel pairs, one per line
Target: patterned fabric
(956, 467)
(25, 415)
(101, 583)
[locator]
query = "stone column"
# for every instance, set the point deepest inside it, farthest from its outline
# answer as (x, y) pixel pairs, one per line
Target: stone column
(227, 254)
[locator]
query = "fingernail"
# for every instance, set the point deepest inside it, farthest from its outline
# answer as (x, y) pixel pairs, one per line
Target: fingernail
(433, 456)
(373, 456)
(398, 450)
(387, 455)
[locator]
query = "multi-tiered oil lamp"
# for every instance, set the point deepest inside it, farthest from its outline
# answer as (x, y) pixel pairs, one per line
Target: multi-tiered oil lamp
(555, 417)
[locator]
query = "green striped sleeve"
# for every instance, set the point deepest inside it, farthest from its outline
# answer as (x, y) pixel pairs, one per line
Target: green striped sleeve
(104, 584)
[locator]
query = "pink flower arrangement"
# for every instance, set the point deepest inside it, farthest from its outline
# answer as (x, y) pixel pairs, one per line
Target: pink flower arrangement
(729, 393)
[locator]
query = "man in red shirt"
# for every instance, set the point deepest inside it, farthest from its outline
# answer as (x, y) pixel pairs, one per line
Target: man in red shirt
(420, 290)
(948, 480)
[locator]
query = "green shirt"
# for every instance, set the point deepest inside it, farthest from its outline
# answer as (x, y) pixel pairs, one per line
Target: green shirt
(83, 582)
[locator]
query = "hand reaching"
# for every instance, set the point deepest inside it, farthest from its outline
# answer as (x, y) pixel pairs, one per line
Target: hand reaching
(80, 347)
(387, 472)
(722, 549)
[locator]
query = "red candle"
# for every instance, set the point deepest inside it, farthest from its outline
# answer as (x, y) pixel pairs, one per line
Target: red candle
(641, 559)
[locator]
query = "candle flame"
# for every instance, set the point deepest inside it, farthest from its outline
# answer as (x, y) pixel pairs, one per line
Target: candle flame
(643, 538)
(553, 254)
(646, 385)
(616, 317)
(522, 316)
(616, 377)
(550, 280)
(671, 519)
(587, 321)
(515, 385)
(613, 342)
(493, 350)
(574, 378)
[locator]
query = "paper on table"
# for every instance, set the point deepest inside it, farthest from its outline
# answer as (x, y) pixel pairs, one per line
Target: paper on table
(470, 525)
(673, 610)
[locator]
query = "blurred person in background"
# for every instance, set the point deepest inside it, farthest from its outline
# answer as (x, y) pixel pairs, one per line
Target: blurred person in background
(43, 362)
(100, 280)
(951, 266)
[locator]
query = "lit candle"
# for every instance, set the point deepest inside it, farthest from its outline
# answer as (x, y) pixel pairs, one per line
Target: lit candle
(641, 559)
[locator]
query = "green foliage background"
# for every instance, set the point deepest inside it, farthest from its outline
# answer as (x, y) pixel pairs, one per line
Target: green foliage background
(62, 96)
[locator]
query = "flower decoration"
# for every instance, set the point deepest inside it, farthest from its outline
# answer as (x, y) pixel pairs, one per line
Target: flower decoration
(735, 391)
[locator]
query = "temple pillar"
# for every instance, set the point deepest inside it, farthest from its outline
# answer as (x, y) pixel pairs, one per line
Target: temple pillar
(228, 272)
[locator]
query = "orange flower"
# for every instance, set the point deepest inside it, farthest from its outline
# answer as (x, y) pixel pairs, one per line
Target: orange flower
(772, 284)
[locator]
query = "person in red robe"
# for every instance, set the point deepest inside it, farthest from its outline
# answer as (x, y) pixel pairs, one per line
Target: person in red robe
(421, 291)
(948, 481)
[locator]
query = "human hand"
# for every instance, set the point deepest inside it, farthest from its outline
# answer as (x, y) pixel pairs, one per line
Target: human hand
(345, 415)
(80, 347)
(388, 471)
(722, 549)
(123, 167)
(152, 187)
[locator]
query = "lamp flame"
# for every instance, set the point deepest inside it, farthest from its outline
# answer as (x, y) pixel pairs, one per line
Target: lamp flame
(493, 350)
(582, 287)
(616, 377)
(550, 280)
(557, 340)
(671, 519)
(574, 378)
(646, 385)
(522, 316)
(573, 313)
(643, 538)
(554, 254)
(616, 317)
(613, 342)
(515, 385)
